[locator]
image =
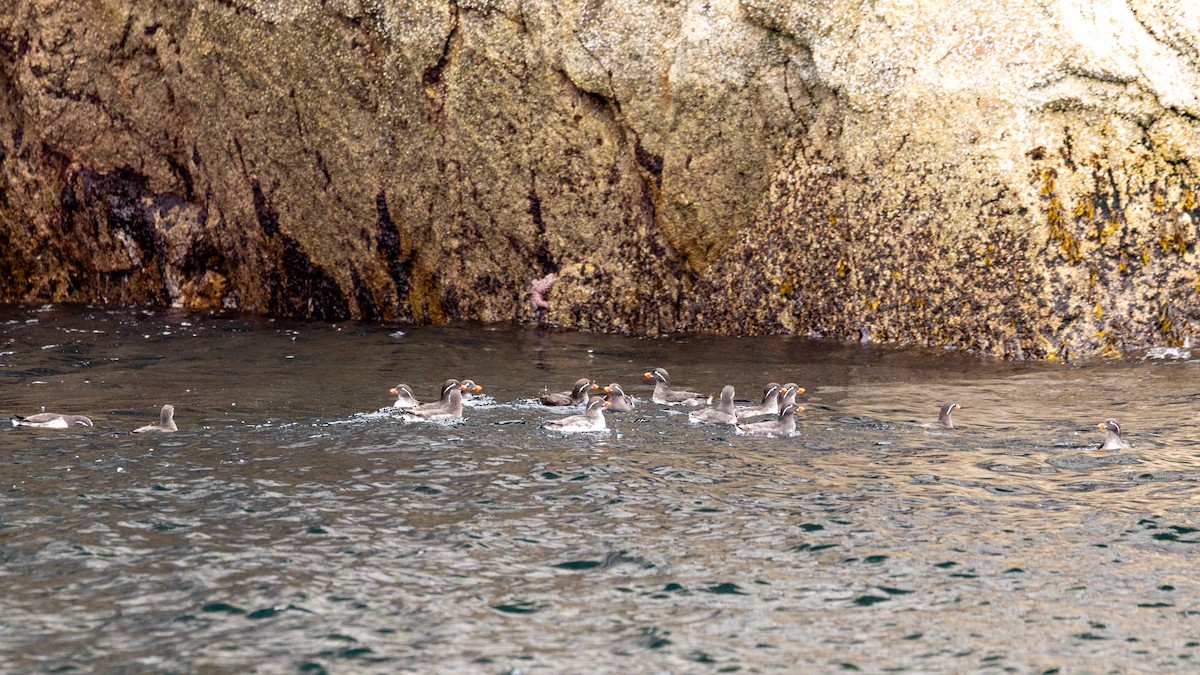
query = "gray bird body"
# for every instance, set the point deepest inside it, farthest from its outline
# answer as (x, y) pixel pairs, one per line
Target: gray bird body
(943, 420)
(51, 421)
(468, 387)
(1112, 439)
(768, 406)
(448, 407)
(404, 397)
(788, 394)
(592, 419)
(721, 413)
(617, 400)
(577, 396)
(166, 422)
(783, 426)
(944, 414)
(665, 395)
(443, 398)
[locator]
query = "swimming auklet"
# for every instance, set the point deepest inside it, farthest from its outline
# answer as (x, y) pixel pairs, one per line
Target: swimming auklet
(943, 420)
(667, 396)
(577, 396)
(443, 403)
(47, 420)
(721, 413)
(166, 421)
(944, 414)
(784, 426)
(769, 405)
(448, 407)
(592, 419)
(617, 400)
(1113, 440)
(404, 397)
(788, 394)
(468, 387)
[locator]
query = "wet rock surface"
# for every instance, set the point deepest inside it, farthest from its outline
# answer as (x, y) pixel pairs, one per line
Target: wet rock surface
(1013, 178)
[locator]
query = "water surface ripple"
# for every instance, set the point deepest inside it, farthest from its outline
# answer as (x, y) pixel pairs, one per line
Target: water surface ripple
(293, 525)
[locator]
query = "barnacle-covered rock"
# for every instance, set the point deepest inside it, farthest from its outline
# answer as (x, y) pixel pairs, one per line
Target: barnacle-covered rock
(1012, 177)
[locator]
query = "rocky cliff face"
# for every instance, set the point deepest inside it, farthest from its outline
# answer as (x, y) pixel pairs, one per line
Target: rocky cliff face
(1013, 177)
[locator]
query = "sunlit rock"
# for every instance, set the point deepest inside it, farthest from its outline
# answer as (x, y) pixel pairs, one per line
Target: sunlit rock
(1012, 177)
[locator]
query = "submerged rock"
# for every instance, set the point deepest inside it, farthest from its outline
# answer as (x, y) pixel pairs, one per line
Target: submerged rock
(1014, 178)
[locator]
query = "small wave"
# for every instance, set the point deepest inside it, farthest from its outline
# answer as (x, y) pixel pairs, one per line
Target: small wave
(412, 419)
(1162, 353)
(534, 404)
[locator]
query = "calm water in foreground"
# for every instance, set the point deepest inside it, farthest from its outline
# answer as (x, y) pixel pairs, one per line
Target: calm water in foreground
(293, 526)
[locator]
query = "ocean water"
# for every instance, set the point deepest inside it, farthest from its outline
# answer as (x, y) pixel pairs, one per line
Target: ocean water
(295, 523)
